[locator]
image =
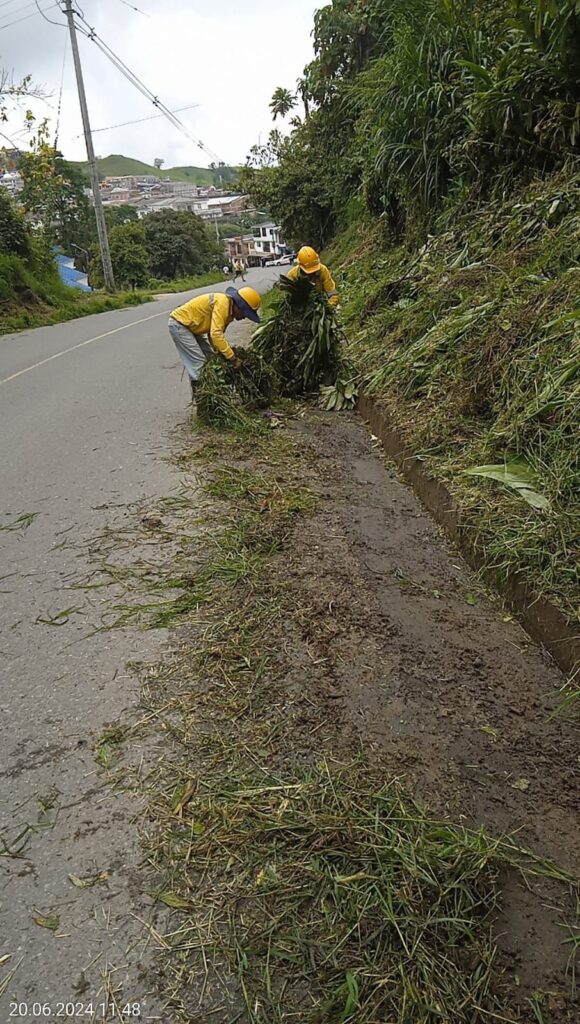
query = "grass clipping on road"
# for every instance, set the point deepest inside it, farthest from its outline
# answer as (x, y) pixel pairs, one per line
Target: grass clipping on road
(318, 891)
(335, 898)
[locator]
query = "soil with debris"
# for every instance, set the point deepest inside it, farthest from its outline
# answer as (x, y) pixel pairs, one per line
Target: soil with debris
(443, 684)
(390, 645)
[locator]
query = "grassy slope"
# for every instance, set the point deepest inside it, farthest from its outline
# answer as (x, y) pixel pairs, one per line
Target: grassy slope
(476, 352)
(30, 300)
(117, 164)
(27, 300)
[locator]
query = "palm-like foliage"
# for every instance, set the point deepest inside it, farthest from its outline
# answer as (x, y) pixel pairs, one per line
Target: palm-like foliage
(282, 102)
(300, 340)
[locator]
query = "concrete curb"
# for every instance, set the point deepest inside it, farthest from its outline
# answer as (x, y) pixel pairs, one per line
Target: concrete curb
(544, 621)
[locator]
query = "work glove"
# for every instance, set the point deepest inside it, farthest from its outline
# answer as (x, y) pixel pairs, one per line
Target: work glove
(235, 363)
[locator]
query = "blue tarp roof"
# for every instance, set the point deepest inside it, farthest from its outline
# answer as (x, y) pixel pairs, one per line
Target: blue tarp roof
(69, 276)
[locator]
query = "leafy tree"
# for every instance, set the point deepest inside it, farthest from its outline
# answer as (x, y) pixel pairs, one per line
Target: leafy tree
(129, 256)
(53, 194)
(282, 102)
(179, 244)
(122, 214)
(14, 238)
(408, 99)
(158, 163)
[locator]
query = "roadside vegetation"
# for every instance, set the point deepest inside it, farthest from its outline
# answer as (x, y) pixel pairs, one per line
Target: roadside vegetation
(304, 880)
(437, 157)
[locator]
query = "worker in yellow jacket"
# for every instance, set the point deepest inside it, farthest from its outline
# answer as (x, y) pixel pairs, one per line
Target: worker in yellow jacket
(198, 327)
(309, 266)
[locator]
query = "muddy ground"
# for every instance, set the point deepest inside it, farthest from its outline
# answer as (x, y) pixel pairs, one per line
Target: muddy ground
(441, 682)
(391, 646)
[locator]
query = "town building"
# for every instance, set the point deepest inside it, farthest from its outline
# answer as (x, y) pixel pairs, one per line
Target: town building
(239, 248)
(12, 182)
(267, 245)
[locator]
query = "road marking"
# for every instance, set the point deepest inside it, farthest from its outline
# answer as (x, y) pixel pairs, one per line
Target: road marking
(82, 344)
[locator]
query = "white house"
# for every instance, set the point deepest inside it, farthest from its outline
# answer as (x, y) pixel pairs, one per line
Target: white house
(267, 241)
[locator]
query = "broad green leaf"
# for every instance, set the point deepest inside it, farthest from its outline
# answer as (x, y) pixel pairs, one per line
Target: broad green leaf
(518, 476)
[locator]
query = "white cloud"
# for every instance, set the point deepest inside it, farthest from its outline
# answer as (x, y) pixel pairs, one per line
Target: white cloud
(228, 56)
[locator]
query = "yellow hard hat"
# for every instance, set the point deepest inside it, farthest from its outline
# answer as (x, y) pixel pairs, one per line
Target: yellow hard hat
(248, 300)
(309, 260)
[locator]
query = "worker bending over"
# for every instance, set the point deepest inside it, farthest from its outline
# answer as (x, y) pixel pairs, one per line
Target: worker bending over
(309, 266)
(198, 327)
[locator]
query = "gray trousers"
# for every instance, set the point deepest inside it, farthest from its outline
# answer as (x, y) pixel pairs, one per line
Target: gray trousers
(193, 349)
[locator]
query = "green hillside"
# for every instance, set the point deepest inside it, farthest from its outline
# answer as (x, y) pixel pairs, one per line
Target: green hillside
(116, 164)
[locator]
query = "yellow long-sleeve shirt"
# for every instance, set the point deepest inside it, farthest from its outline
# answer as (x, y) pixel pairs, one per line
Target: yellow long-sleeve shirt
(208, 314)
(322, 280)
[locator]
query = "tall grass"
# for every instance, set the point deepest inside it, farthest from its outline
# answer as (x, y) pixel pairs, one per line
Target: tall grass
(474, 341)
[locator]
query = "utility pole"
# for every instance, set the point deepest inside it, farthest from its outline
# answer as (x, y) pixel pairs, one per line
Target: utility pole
(99, 212)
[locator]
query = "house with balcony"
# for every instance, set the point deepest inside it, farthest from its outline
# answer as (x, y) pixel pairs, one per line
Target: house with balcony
(266, 245)
(240, 248)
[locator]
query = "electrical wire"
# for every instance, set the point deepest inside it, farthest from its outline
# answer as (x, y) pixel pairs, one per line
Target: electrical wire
(91, 34)
(18, 10)
(4, 3)
(152, 117)
(26, 16)
(61, 24)
(133, 8)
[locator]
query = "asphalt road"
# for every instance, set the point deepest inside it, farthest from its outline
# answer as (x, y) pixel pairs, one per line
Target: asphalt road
(87, 413)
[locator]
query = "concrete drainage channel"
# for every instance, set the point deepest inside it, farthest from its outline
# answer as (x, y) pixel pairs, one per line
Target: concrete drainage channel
(544, 621)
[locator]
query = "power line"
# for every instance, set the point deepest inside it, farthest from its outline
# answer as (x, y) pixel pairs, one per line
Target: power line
(60, 24)
(18, 10)
(133, 8)
(27, 16)
(152, 117)
(145, 91)
(4, 3)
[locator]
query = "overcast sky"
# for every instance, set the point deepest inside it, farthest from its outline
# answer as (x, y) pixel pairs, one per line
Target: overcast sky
(228, 56)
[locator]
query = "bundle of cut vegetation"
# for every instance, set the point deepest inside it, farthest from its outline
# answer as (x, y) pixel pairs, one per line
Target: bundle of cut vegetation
(337, 898)
(300, 339)
(225, 396)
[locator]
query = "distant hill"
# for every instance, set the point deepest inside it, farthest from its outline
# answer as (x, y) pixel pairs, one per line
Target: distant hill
(117, 165)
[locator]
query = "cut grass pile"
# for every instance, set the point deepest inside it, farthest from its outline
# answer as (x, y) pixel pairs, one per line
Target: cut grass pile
(225, 396)
(294, 351)
(473, 343)
(300, 338)
(303, 888)
(334, 897)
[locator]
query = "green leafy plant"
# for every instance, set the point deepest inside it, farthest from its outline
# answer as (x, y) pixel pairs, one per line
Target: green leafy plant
(300, 339)
(517, 475)
(225, 396)
(342, 395)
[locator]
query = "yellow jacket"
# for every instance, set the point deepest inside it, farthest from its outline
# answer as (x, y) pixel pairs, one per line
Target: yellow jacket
(208, 314)
(322, 280)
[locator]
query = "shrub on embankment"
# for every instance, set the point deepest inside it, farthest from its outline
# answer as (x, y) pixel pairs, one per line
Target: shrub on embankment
(473, 342)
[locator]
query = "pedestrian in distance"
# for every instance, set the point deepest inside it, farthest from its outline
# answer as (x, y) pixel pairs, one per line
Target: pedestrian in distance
(309, 267)
(198, 327)
(226, 270)
(239, 270)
